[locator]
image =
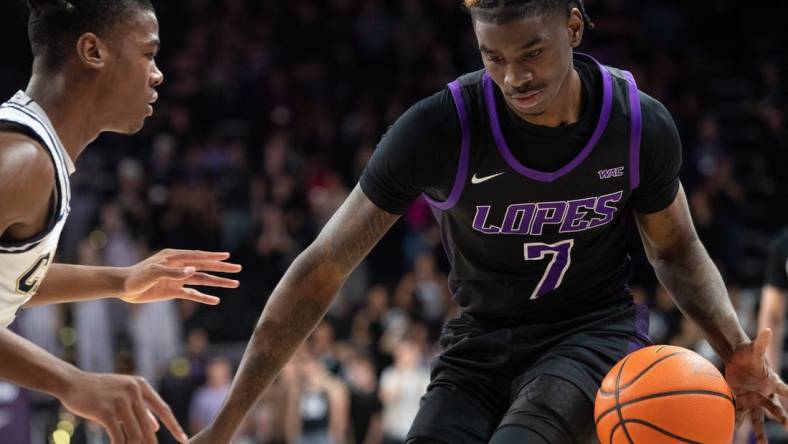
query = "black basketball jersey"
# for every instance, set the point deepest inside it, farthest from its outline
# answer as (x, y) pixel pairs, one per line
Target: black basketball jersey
(529, 244)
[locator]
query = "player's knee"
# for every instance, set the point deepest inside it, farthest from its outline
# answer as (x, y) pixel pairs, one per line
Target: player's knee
(551, 409)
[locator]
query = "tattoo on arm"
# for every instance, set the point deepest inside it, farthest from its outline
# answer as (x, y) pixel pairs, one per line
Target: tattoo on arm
(688, 273)
(349, 248)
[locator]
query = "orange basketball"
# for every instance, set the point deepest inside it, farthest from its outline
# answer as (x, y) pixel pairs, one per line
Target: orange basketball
(664, 394)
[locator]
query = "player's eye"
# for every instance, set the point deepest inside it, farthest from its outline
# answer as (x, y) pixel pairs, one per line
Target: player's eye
(495, 59)
(533, 54)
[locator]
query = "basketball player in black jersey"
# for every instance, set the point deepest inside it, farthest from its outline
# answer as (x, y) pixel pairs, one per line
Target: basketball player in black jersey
(93, 71)
(536, 169)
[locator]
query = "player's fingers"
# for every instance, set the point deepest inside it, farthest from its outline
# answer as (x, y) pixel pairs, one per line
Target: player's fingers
(174, 273)
(141, 413)
(195, 255)
(115, 432)
(749, 401)
(757, 426)
(146, 427)
(210, 280)
(761, 342)
(782, 388)
(153, 421)
(740, 417)
(131, 426)
(212, 266)
(776, 409)
(191, 294)
(163, 411)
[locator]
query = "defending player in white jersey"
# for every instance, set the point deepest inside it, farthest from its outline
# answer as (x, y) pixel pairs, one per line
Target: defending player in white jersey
(93, 71)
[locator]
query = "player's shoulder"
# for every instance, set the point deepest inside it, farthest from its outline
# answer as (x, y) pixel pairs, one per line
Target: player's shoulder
(471, 79)
(653, 108)
(443, 100)
(430, 115)
(657, 120)
(27, 172)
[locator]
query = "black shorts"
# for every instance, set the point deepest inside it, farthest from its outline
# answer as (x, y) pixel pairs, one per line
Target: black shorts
(483, 368)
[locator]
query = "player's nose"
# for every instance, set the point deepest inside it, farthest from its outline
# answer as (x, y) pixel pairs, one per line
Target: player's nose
(157, 77)
(517, 77)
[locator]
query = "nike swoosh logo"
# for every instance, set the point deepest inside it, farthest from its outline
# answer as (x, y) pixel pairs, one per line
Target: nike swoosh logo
(477, 180)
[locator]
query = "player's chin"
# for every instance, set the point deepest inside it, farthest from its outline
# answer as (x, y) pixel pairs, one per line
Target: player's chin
(133, 128)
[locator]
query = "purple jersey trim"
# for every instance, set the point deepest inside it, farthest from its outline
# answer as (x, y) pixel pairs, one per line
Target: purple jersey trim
(604, 117)
(640, 338)
(635, 132)
(462, 168)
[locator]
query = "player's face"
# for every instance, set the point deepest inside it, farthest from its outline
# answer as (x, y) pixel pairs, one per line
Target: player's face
(133, 74)
(530, 59)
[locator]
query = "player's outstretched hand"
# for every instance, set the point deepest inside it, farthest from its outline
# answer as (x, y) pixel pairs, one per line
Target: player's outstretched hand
(123, 405)
(166, 274)
(756, 387)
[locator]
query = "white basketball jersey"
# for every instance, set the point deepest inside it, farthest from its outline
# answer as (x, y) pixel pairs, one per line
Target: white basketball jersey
(24, 264)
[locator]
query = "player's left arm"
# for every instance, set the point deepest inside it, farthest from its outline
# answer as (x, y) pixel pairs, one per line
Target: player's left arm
(688, 273)
(685, 269)
(168, 274)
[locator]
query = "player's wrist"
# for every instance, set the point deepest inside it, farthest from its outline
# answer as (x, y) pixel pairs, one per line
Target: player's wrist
(735, 342)
(64, 381)
(117, 277)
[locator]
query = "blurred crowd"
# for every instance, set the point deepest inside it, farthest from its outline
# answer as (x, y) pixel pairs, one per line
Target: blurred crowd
(267, 116)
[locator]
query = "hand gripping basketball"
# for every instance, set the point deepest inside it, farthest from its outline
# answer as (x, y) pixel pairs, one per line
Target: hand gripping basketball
(662, 394)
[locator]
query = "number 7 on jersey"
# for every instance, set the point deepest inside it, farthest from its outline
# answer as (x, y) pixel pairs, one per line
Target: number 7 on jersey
(557, 267)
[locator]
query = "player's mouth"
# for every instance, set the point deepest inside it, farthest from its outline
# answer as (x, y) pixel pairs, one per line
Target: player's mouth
(150, 104)
(527, 100)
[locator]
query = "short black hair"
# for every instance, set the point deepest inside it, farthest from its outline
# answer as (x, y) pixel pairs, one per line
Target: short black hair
(56, 25)
(504, 11)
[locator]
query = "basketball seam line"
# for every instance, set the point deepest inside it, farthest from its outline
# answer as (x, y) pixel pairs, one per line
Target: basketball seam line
(642, 372)
(618, 405)
(662, 395)
(659, 429)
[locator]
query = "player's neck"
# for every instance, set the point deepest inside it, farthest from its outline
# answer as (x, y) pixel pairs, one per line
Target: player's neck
(69, 108)
(566, 107)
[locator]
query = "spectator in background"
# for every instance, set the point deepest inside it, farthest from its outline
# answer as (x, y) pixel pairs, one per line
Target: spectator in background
(207, 400)
(424, 293)
(273, 420)
(401, 387)
(365, 405)
(321, 345)
(320, 413)
(186, 374)
(92, 322)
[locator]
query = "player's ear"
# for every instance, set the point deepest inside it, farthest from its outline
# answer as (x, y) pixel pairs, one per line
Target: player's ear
(575, 27)
(92, 52)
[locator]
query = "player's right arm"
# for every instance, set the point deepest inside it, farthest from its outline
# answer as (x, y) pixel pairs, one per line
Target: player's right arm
(419, 153)
(117, 402)
(298, 303)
